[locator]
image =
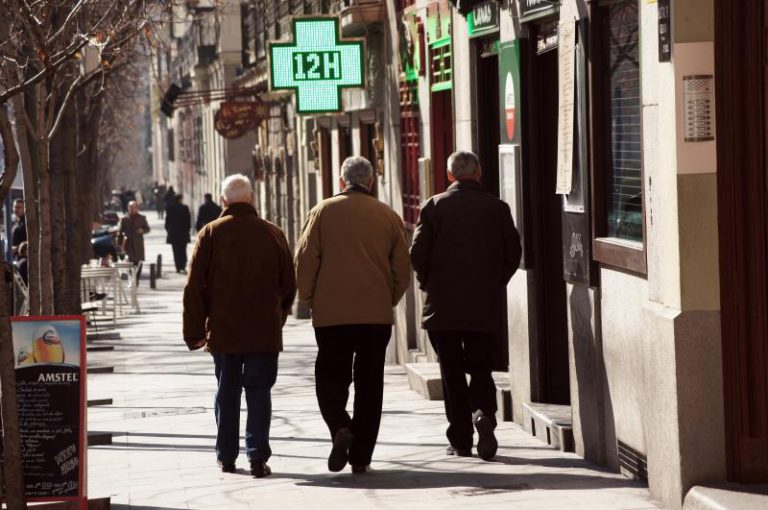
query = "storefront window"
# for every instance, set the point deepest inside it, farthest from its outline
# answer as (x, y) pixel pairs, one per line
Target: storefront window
(623, 121)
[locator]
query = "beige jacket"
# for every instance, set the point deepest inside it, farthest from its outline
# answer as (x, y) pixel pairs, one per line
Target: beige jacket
(352, 261)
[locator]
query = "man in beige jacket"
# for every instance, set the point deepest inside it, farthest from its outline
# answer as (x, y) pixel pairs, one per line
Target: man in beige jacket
(352, 268)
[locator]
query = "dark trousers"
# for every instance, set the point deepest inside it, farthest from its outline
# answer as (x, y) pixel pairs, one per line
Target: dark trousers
(463, 353)
(355, 351)
(180, 255)
(256, 373)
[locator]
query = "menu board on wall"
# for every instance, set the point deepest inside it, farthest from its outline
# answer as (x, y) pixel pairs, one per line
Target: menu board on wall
(50, 377)
(566, 83)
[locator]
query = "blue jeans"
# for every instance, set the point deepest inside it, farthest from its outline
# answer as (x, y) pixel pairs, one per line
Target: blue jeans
(256, 373)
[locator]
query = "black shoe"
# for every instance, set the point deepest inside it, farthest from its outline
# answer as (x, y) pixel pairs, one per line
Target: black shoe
(358, 470)
(260, 469)
(486, 443)
(339, 456)
(227, 467)
(459, 452)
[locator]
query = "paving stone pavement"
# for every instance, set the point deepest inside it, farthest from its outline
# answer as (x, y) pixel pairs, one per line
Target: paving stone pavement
(162, 456)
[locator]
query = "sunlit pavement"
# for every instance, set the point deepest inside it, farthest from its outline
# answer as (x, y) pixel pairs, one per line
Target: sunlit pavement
(162, 453)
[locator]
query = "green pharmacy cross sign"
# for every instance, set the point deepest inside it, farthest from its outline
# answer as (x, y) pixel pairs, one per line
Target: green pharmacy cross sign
(317, 64)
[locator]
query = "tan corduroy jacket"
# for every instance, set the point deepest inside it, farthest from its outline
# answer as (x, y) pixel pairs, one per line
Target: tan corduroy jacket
(352, 261)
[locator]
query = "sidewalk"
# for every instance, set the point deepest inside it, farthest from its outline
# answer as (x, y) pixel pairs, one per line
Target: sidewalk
(162, 456)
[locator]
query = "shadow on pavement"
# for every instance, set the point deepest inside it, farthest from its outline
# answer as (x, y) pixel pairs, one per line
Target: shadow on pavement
(459, 480)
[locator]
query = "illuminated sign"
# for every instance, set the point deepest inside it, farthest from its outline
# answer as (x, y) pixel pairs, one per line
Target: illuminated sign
(316, 65)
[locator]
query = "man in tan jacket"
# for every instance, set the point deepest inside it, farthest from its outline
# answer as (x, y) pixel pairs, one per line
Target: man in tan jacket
(352, 268)
(240, 289)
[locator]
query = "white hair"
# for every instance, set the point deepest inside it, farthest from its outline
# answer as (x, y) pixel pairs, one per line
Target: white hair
(463, 164)
(357, 171)
(236, 188)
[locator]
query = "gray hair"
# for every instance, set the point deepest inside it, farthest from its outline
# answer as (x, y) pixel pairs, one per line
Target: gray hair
(236, 188)
(357, 171)
(463, 164)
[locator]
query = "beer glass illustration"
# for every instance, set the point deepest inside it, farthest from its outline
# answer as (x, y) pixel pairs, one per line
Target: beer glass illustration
(47, 346)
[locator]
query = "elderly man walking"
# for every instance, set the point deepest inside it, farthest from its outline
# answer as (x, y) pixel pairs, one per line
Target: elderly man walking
(352, 267)
(465, 249)
(238, 295)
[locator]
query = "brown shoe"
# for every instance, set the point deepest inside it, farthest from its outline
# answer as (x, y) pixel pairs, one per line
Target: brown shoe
(260, 469)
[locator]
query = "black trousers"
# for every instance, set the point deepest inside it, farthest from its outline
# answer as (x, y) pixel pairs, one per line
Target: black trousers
(346, 353)
(460, 353)
(180, 255)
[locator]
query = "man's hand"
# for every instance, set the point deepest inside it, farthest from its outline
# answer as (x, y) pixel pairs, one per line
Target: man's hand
(196, 344)
(140, 231)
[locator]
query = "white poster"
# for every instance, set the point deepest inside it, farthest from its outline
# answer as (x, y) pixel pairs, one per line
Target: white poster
(566, 83)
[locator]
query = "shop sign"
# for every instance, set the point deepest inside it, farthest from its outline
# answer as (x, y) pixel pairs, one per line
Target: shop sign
(546, 39)
(483, 19)
(235, 118)
(50, 379)
(317, 64)
(509, 91)
(665, 31)
(438, 21)
(531, 7)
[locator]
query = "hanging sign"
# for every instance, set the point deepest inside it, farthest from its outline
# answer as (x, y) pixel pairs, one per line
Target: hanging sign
(483, 19)
(533, 7)
(509, 91)
(316, 65)
(566, 82)
(235, 118)
(50, 379)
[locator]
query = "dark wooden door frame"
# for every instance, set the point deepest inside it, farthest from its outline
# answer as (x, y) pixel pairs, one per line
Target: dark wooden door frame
(547, 311)
(442, 132)
(740, 56)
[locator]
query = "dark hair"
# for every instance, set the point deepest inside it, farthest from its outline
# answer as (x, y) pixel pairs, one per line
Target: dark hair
(208, 197)
(18, 201)
(179, 196)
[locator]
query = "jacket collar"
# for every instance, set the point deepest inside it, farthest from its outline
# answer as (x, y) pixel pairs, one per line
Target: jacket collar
(238, 209)
(466, 184)
(355, 189)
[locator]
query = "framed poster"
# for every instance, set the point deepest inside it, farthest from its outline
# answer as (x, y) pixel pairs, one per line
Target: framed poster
(50, 378)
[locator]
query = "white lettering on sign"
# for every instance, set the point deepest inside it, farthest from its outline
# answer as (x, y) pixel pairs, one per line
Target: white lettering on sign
(57, 378)
(483, 14)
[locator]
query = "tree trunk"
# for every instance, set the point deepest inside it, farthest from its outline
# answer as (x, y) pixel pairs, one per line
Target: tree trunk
(12, 467)
(75, 228)
(26, 141)
(44, 203)
(60, 151)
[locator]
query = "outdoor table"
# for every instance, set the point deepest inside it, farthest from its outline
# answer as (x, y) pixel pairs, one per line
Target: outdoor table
(90, 275)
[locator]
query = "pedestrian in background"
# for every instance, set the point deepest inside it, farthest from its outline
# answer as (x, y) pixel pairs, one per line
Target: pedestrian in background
(170, 197)
(19, 230)
(238, 295)
(352, 268)
(465, 250)
(133, 226)
(178, 222)
(159, 194)
(207, 212)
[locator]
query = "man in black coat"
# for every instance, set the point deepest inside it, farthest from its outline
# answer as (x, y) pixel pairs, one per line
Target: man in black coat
(178, 222)
(19, 231)
(465, 250)
(207, 212)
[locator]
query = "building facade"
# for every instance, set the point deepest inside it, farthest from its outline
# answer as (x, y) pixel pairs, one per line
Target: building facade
(627, 137)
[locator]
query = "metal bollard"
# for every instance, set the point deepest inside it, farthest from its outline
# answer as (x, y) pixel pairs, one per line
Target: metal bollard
(159, 266)
(152, 276)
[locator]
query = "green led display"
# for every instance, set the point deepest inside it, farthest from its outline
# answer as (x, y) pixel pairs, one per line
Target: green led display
(316, 65)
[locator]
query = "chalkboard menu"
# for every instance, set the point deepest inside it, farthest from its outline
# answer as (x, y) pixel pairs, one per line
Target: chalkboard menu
(50, 378)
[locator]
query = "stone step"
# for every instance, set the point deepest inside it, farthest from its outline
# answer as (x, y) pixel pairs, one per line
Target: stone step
(424, 379)
(727, 497)
(551, 423)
